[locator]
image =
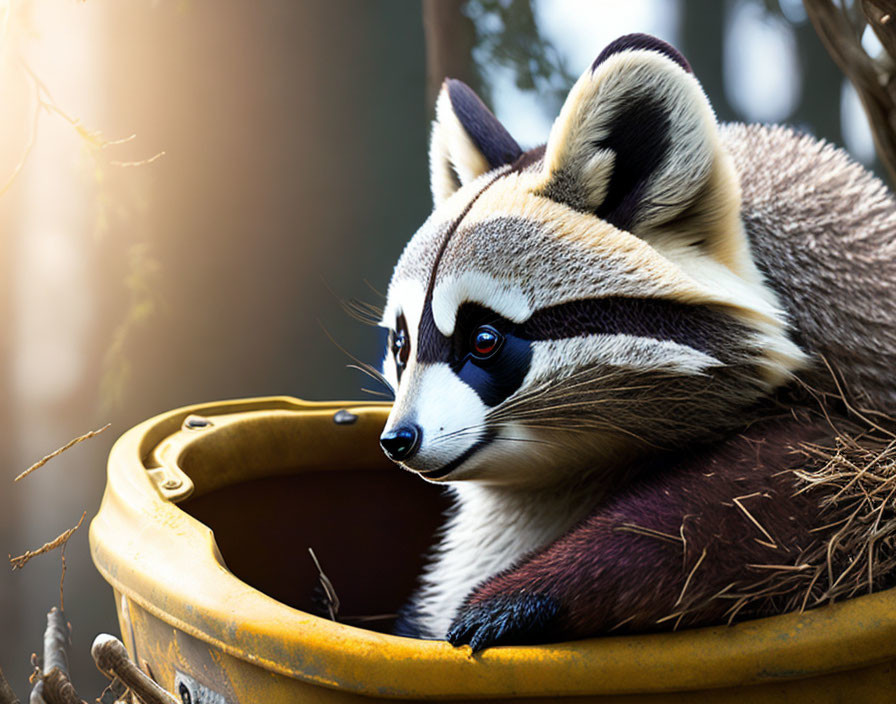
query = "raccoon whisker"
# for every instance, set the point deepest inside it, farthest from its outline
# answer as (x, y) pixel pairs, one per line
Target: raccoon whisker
(532, 397)
(589, 378)
(557, 423)
(460, 432)
(581, 378)
(556, 394)
(366, 313)
(551, 394)
(381, 394)
(363, 366)
(574, 404)
(372, 372)
(591, 425)
(475, 429)
(455, 434)
(375, 290)
(534, 441)
(588, 382)
(561, 390)
(588, 403)
(536, 426)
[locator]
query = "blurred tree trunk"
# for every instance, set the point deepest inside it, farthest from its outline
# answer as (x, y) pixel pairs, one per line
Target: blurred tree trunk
(819, 103)
(702, 39)
(10, 617)
(450, 37)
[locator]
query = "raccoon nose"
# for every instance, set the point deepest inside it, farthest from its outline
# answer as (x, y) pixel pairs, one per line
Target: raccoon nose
(402, 442)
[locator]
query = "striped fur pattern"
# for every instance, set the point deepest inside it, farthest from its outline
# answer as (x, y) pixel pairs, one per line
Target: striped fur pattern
(655, 281)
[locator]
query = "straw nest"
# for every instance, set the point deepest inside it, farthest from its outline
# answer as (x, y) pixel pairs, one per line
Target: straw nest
(851, 477)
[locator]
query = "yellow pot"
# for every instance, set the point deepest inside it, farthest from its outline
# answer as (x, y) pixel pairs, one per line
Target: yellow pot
(203, 534)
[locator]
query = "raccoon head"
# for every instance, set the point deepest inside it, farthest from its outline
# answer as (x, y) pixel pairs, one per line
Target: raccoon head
(566, 308)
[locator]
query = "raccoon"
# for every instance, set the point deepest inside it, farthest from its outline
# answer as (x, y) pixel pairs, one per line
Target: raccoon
(600, 347)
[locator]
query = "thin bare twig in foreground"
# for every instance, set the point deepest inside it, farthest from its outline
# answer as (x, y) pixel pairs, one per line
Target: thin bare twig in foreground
(62, 579)
(141, 162)
(22, 560)
(56, 453)
(329, 590)
(114, 692)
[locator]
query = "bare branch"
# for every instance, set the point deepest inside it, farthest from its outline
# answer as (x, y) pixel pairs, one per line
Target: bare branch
(872, 80)
(20, 561)
(449, 45)
(56, 453)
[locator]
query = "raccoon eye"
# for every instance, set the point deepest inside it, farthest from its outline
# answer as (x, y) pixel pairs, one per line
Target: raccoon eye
(401, 345)
(486, 342)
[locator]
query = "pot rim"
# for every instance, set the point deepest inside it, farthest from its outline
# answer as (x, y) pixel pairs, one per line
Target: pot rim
(154, 553)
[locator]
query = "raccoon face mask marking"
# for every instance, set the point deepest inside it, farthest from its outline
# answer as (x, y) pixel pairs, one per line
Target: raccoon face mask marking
(610, 271)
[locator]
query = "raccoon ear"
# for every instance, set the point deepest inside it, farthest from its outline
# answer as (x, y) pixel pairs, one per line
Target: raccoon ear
(467, 140)
(636, 139)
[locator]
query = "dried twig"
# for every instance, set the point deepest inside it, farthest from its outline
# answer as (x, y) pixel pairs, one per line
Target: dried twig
(114, 692)
(56, 453)
(648, 532)
(62, 578)
(737, 501)
(21, 560)
(36, 679)
(329, 590)
(690, 576)
(141, 162)
(111, 657)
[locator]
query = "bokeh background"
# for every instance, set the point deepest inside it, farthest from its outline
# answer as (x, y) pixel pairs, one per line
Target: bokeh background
(277, 166)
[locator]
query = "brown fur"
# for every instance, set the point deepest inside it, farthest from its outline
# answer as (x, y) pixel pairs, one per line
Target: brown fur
(733, 530)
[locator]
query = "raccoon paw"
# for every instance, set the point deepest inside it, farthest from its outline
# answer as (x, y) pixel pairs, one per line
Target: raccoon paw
(520, 618)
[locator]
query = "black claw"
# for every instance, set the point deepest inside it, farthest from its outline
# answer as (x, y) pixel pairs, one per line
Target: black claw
(458, 634)
(520, 618)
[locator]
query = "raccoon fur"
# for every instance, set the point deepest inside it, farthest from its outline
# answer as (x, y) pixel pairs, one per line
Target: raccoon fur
(600, 347)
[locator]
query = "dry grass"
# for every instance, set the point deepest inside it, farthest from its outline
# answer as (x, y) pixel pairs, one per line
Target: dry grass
(853, 549)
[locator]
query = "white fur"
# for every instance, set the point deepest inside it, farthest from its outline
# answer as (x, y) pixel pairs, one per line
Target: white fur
(502, 296)
(490, 530)
(517, 497)
(454, 160)
(591, 109)
(449, 413)
(622, 351)
(568, 255)
(406, 298)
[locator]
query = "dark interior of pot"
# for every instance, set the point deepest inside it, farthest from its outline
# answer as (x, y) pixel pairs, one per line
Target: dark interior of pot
(368, 528)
